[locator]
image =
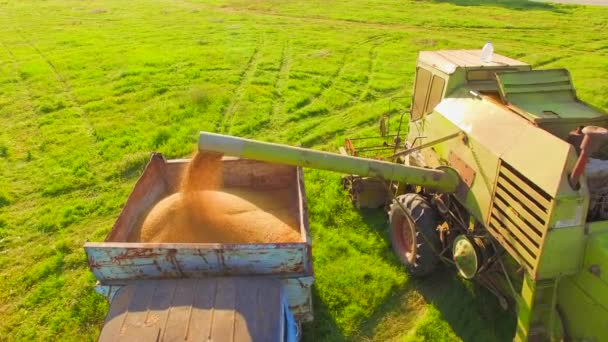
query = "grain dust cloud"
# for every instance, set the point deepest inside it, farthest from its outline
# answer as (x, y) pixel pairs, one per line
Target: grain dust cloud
(202, 211)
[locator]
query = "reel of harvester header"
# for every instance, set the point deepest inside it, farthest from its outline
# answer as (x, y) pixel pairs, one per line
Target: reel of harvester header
(371, 192)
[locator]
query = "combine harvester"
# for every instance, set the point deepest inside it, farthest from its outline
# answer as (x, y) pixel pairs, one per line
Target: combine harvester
(503, 174)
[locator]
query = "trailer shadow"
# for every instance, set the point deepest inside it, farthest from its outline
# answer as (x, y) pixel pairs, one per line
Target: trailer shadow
(325, 327)
(519, 5)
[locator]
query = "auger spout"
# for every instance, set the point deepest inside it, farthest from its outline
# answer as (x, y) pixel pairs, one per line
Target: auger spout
(444, 180)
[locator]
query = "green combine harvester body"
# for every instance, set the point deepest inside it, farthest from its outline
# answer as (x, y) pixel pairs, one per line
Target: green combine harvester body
(503, 173)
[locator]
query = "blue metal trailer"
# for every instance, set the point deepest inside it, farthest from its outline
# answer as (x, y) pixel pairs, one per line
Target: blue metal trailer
(156, 287)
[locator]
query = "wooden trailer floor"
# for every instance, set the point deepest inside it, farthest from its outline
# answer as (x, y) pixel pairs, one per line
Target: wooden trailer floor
(207, 309)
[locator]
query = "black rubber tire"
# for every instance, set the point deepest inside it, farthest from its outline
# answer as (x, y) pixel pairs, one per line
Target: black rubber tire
(418, 254)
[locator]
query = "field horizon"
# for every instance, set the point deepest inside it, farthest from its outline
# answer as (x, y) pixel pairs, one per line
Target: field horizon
(89, 89)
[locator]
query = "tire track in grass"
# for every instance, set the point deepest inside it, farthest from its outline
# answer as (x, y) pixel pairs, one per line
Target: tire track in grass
(27, 173)
(319, 19)
(66, 86)
(341, 112)
(272, 118)
(569, 53)
(387, 27)
(306, 133)
(227, 120)
(332, 80)
(75, 132)
(370, 71)
(26, 97)
(277, 112)
(29, 96)
(335, 77)
(17, 66)
(576, 49)
(551, 60)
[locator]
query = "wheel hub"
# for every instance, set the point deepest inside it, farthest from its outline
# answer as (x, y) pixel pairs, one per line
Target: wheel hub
(466, 257)
(408, 240)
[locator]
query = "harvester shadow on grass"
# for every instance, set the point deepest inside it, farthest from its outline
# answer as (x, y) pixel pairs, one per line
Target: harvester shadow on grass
(453, 296)
(521, 5)
(471, 311)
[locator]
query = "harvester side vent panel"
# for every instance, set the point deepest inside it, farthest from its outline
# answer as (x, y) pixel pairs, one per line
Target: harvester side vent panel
(519, 215)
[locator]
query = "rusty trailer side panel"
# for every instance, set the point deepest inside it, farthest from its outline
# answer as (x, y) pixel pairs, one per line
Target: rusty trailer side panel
(117, 264)
(127, 261)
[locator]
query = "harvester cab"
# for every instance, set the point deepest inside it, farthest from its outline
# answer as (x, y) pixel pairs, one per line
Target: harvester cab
(503, 173)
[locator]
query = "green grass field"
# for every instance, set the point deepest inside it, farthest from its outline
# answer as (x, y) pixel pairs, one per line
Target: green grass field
(89, 89)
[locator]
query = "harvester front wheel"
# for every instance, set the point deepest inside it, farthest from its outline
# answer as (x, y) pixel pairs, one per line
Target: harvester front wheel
(414, 234)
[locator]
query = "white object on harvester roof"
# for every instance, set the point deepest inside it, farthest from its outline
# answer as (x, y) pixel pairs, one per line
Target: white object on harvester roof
(448, 61)
(487, 53)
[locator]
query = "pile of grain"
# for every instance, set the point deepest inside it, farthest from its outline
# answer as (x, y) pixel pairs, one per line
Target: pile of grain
(200, 212)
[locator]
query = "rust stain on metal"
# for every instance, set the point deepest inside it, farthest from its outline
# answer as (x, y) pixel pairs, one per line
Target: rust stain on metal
(202, 255)
(158, 268)
(171, 257)
(466, 173)
(220, 257)
(299, 268)
(135, 254)
(92, 263)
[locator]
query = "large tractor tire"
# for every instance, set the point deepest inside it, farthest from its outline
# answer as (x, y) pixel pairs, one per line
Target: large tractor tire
(414, 234)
